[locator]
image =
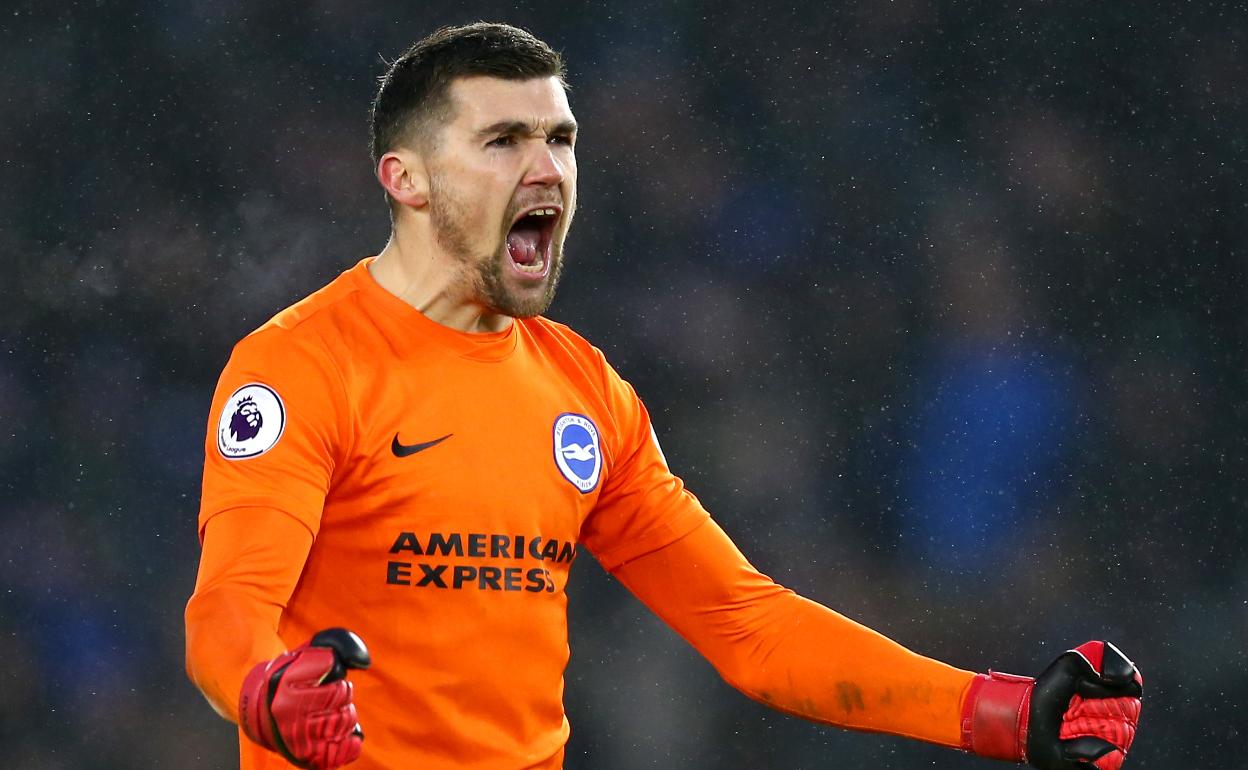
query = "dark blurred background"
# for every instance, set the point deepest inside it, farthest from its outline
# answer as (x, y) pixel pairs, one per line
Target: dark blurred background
(937, 306)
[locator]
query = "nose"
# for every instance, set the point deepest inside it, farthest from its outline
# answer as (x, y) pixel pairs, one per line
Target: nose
(545, 170)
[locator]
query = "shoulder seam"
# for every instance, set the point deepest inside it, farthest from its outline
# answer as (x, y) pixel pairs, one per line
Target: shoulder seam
(346, 399)
(319, 308)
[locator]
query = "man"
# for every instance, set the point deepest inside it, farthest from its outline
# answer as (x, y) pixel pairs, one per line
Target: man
(414, 454)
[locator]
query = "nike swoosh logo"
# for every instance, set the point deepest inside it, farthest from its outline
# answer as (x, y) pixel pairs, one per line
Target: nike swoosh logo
(407, 450)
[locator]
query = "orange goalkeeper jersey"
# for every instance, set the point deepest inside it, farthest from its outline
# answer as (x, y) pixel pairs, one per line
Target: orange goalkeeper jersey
(448, 480)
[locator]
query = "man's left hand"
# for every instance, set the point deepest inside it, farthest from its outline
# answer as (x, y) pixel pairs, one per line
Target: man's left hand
(1080, 713)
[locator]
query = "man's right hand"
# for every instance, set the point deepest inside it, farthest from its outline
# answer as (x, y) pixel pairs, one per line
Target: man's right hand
(300, 704)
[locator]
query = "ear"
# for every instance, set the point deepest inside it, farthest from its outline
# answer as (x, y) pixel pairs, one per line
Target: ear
(402, 173)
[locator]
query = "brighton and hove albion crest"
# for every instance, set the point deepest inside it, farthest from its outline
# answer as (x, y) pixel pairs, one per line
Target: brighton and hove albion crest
(251, 422)
(577, 452)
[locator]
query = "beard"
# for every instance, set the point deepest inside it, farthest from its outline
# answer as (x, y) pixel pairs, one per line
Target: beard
(487, 273)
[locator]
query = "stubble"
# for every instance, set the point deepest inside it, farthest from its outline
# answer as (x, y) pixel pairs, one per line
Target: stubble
(453, 230)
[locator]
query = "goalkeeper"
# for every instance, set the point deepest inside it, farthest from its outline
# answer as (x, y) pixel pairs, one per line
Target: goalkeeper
(402, 467)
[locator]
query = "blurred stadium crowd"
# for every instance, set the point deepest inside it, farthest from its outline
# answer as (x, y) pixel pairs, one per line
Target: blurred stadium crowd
(938, 307)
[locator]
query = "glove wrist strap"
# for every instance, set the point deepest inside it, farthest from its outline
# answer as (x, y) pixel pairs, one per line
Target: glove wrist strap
(253, 711)
(995, 716)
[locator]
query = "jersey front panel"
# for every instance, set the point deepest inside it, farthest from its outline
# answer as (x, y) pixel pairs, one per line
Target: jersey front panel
(462, 548)
(447, 479)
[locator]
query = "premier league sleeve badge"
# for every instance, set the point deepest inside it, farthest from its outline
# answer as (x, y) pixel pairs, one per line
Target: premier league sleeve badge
(252, 422)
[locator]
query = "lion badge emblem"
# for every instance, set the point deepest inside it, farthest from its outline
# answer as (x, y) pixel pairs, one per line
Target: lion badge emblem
(252, 422)
(247, 420)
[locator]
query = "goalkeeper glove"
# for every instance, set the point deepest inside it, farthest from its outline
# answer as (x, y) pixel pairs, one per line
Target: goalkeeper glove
(1081, 713)
(299, 704)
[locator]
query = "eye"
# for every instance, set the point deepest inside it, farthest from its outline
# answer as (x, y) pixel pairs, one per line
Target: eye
(505, 140)
(564, 139)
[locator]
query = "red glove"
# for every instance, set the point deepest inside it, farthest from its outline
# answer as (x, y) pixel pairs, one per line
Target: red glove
(299, 704)
(1081, 713)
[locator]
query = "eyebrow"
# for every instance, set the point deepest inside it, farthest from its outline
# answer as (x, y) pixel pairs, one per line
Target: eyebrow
(521, 127)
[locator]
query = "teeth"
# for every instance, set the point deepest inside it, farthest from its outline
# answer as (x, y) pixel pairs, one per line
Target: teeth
(541, 213)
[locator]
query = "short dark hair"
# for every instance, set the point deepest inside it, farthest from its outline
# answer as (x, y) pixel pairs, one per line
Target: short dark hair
(415, 91)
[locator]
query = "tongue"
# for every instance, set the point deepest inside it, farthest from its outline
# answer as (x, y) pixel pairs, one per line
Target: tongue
(522, 245)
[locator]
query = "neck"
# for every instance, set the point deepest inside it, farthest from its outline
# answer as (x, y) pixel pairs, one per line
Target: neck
(418, 272)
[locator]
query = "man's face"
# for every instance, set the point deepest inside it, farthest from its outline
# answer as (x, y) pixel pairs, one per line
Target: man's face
(503, 189)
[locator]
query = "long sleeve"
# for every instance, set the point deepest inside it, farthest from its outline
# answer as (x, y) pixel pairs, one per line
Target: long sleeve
(790, 653)
(273, 441)
(250, 564)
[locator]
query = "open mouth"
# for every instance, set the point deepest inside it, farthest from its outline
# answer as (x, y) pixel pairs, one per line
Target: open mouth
(529, 240)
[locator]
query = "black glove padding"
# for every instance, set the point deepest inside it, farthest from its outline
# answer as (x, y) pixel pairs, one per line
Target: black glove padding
(1084, 710)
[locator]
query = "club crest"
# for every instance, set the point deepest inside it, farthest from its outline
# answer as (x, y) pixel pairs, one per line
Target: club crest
(577, 452)
(251, 422)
